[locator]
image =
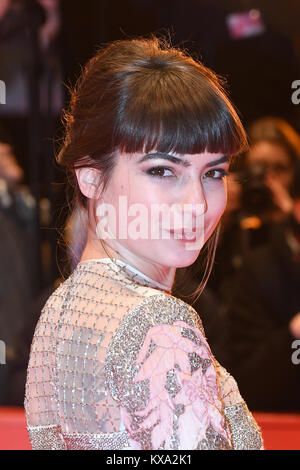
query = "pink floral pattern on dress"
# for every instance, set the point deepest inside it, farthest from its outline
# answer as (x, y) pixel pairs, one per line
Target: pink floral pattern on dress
(198, 392)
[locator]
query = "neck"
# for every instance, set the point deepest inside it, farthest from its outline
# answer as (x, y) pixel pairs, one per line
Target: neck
(159, 273)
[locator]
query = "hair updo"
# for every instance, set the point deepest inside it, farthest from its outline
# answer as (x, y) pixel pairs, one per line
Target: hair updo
(142, 95)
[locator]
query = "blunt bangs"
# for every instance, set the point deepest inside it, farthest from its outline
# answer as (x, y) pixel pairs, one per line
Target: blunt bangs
(176, 109)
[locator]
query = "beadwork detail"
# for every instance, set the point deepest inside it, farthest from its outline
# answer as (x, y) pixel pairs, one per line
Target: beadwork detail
(81, 377)
(245, 431)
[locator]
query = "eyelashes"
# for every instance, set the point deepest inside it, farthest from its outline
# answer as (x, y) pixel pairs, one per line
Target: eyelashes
(221, 173)
(159, 172)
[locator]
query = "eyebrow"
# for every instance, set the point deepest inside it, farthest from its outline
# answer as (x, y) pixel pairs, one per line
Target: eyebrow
(223, 159)
(180, 161)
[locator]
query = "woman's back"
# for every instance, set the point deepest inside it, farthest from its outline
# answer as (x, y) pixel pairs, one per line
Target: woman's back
(116, 364)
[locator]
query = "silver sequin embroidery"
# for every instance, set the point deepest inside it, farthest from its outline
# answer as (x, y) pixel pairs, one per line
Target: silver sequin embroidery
(244, 429)
(80, 364)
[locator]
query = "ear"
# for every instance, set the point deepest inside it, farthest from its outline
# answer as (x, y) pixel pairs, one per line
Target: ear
(89, 180)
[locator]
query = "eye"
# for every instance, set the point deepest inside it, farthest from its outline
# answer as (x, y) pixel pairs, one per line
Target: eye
(160, 172)
(216, 174)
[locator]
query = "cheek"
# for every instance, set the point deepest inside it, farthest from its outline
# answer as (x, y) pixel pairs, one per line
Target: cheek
(219, 209)
(127, 195)
(119, 185)
(216, 205)
(219, 196)
(142, 192)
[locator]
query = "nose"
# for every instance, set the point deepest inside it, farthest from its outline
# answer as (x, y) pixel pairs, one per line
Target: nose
(193, 198)
(191, 206)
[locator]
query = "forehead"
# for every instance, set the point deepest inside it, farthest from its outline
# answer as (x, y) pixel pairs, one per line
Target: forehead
(268, 152)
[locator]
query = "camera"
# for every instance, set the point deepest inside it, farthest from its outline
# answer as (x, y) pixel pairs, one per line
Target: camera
(256, 197)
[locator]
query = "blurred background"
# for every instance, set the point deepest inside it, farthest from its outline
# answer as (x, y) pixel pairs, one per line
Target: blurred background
(251, 305)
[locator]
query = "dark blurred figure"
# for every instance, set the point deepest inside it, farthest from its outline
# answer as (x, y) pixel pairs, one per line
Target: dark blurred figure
(264, 319)
(30, 66)
(17, 208)
(261, 296)
(260, 195)
(271, 162)
(21, 58)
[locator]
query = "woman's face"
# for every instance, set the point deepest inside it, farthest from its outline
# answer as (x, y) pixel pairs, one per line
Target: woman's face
(274, 159)
(193, 185)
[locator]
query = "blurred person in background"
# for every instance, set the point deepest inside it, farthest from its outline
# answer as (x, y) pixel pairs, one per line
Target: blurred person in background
(19, 22)
(260, 188)
(263, 303)
(17, 207)
(30, 66)
(271, 165)
(264, 319)
(16, 200)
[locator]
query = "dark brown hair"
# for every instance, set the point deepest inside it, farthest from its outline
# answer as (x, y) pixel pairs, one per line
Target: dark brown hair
(141, 95)
(277, 131)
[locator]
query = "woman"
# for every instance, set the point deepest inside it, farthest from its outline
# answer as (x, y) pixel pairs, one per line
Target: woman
(117, 362)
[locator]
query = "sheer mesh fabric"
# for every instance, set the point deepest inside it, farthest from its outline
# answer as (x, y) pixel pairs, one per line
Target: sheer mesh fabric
(92, 380)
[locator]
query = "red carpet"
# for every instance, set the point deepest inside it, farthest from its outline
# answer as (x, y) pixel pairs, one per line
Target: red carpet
(13, 432)
(280, 431)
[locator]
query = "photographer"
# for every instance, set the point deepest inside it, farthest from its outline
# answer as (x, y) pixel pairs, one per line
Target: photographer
(260, 189)
(264, 304)
(271, 163)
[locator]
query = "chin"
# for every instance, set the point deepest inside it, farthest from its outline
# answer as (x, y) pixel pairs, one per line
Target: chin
(180, 259)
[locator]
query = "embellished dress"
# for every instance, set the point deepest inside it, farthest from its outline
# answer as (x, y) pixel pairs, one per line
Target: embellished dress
(117, 362)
